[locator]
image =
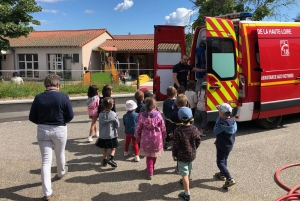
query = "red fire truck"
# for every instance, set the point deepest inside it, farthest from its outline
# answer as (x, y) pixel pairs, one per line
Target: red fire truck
(254, 66)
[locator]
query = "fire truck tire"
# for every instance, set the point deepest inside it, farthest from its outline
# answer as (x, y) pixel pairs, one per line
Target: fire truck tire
(269, 123)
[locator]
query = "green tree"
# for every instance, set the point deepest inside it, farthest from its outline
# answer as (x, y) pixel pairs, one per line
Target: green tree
(297, 18)
(260, 9)
(15, 19)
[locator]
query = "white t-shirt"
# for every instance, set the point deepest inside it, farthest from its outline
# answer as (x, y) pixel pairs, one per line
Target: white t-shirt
(17, 80)
(192, 98)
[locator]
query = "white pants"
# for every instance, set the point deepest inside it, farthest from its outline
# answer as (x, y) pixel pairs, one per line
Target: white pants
(50, 136)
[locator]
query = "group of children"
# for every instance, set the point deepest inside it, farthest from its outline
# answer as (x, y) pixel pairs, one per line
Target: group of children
(150, 132)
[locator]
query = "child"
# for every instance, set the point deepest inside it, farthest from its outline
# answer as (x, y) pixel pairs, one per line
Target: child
(147, 94)
(168, 108)
(181, 101)
(139, 97)
(191, 95)
(201, 107)
(107, 91)
(130, 120)
(186, 141)
(92, 110)
(108, 135)
(225, 129)
(181, 90)
(151, 132)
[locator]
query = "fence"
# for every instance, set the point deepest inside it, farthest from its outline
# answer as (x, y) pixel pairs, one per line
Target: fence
(108, 72)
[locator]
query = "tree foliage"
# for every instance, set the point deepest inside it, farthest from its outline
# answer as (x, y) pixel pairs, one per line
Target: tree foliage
(260, 8)
(297, 18)
(15, 19)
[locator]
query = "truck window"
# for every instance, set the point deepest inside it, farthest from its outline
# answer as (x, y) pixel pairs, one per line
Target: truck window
(168, 53)
(221, 58)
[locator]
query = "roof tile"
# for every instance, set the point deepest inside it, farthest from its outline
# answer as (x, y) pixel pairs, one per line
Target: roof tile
(61, 38)
(130, 44)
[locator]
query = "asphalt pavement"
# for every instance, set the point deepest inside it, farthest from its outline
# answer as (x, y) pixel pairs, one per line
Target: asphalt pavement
(256, 156)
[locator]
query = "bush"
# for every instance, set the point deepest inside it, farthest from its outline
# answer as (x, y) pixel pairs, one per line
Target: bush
(31, 89)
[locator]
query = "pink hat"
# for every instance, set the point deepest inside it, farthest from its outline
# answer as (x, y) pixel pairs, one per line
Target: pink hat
(143, 89)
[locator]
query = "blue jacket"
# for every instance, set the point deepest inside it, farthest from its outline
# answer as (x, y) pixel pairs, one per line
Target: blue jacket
(51, 108)
(225, 130)
(130, 120)
(169, 107)
(139, 106)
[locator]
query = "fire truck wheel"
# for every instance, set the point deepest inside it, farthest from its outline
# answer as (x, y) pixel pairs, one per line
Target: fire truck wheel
(269, 123)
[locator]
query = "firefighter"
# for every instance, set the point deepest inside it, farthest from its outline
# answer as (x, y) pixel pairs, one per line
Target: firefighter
(181, 71)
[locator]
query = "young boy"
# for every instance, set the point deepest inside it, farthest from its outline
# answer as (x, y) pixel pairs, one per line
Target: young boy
(186, 141)
(181, 101)
(139, 97)
(225, 129)
(168, 108)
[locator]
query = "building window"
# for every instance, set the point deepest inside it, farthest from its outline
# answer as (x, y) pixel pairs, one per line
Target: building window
(75, 58)
(3, 57)
(55, 63)
(28, 65)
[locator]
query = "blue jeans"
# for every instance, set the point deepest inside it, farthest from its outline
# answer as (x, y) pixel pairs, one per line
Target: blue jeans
(222, 163)
(50, 136)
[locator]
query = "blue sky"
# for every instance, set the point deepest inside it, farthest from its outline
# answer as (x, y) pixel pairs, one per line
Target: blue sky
(119, 16)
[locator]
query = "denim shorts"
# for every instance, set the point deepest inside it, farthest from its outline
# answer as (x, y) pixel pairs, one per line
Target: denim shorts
(185, 168)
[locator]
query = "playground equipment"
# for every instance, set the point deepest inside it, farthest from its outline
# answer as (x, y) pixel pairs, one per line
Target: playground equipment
(143, 78)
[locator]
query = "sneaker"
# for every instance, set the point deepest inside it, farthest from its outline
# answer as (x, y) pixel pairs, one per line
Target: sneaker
(48, 197)
(136, 158)
(202, 134)
(97, 134)
(206, 130)
(126, 153)
(66, 170)
(104, 162)
(219, 176)
(90, 139)
(112, 163)
(229, 183)
(184, 196)
(149, 176)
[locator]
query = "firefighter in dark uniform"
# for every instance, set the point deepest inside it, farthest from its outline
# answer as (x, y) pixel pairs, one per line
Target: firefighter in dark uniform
(181, 71)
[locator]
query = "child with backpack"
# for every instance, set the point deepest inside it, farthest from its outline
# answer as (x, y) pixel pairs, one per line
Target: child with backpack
(201, 107)
(186, 142)
(92, 110)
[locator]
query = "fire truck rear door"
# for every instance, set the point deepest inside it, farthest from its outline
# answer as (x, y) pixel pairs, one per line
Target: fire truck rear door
(221, 77)
(169, 45)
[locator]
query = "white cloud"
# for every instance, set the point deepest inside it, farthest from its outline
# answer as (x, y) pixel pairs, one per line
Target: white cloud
(124, 6)
(48, 1)
(89, 11)
(180, 17)
(50, 11)
(43, 22)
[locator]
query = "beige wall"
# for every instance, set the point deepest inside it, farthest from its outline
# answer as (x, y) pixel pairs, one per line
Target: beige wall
(8, 66)
(42, 58)
(90, 59)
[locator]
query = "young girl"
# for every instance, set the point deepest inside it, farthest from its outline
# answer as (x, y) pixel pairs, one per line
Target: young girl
(92, 110)
(107, 91)
(192, 96)
(150, 131)
(201, 106)
(130, 120)
(108, 135)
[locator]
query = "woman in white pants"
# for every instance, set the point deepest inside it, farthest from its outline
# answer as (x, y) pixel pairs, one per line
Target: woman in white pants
(51, 110)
